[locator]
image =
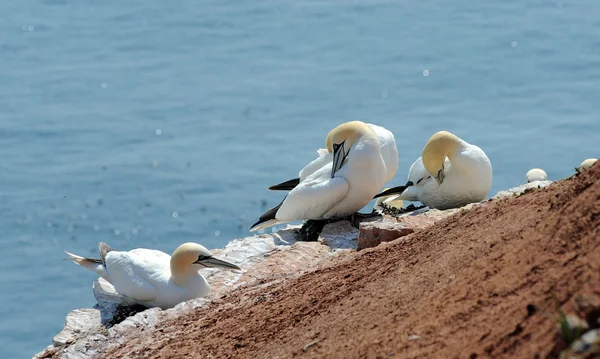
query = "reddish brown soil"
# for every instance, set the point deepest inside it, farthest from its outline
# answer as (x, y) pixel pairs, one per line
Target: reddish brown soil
(469, 287)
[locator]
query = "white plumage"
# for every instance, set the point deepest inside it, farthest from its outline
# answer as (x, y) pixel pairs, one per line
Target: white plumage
(464, 170)
(387, 145)
(340, 187)
(153, 278)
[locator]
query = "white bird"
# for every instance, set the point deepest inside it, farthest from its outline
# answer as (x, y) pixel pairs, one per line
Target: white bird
(339, 188)
(153, 278)
(587, 163)
(536, 174)
(389, 153)
(462, 173)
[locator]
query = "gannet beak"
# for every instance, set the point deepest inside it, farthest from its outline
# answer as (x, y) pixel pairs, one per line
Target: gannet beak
(440, 176)
(213, 262)
(394, 190)
(339, 155)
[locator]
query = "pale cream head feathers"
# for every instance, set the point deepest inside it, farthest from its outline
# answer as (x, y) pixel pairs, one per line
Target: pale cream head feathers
(349, 132)
(189, 257)
(187, 254)
(441, 145)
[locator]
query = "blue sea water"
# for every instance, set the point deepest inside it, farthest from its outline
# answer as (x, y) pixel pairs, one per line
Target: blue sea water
(151, 123)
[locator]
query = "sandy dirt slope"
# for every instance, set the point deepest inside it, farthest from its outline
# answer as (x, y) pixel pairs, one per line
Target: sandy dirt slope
(468, 287)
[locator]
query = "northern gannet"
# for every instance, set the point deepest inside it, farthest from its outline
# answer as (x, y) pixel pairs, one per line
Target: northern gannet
(587, 163)
(153, 278)
(339, 188)
(389, 153)
(536, 174)
(450, 173)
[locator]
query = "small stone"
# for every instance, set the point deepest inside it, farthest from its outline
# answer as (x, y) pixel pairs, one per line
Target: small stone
(339, 235)
(572, 329)
(589, 307)
(586, 347)
(79, 322)
(414, 337)
(422, 221)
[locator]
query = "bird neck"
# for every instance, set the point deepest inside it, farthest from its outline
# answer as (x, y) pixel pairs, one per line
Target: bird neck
(182, 274)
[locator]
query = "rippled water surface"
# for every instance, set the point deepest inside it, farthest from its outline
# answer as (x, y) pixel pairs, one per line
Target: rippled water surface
(151, 123)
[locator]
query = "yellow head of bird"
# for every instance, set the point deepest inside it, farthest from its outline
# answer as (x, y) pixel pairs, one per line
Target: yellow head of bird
(440, 145)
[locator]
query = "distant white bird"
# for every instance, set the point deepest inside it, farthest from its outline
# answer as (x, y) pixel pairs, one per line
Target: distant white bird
(462, 173)
(587, 163)
(339, 188)
(389, 153)
(536, 174)
(153, 278)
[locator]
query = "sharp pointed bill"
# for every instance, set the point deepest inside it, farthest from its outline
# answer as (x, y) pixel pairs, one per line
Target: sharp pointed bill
(339, 156)
(212, 262)
(153, 278)
(440, 176)
(389, 201)
(389, 153)
(394, 190)
(340, 187)
(450, 173)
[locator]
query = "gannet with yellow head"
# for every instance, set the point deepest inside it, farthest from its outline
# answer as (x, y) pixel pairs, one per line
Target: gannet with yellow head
(153, 278)
(389, 153)
(536, 174)
(339, 188)
(450, 173)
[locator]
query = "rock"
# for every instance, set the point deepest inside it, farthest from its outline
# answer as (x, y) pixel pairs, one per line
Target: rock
(418, 222)
(266, 257)
(589, 306)
(586, 347)
(339, 235)
(79, 322)
(373, 233)
(109, 301)
(572, 328)
(521, 189)
(389, 228)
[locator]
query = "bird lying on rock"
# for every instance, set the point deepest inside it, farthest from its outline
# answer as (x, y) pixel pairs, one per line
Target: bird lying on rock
(153, 278)
(450, 173)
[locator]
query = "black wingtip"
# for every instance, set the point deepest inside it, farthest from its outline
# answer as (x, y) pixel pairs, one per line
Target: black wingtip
(269, 215)
(286, 186)
(391, 191)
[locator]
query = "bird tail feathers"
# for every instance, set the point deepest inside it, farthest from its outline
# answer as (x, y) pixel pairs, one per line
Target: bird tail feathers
(93, 264)
(266, 224)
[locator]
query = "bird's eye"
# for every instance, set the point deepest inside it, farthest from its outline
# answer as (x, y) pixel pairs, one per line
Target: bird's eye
(335, 146)
(201, 257)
